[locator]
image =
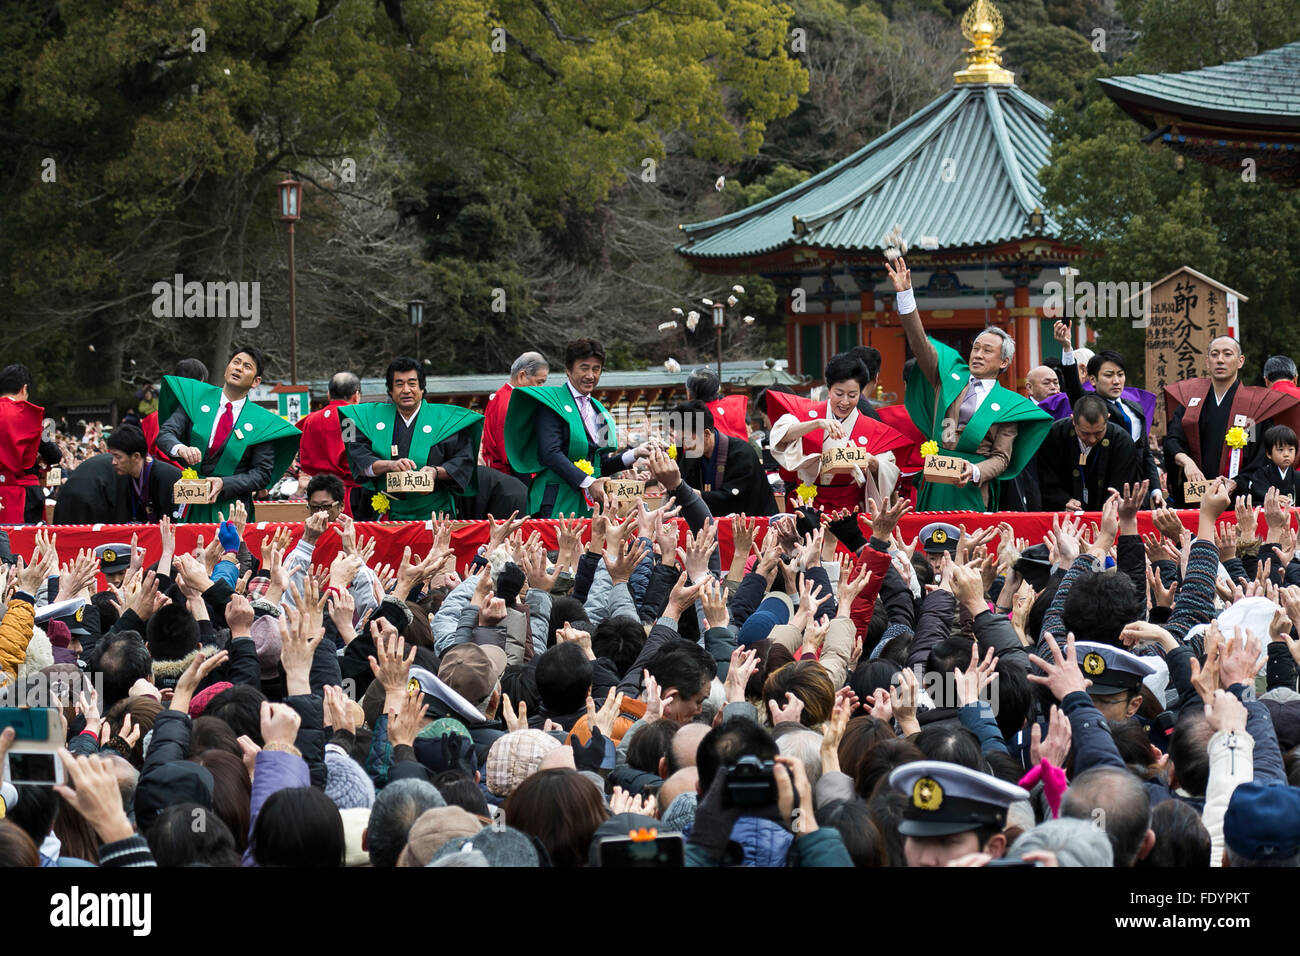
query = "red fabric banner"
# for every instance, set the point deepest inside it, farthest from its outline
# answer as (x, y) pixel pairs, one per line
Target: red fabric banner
(393, 537)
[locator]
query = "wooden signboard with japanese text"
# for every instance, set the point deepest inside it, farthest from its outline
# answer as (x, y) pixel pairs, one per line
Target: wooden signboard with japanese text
(1186, 312)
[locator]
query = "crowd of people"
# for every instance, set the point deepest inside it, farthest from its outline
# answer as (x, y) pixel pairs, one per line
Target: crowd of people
(818, 692)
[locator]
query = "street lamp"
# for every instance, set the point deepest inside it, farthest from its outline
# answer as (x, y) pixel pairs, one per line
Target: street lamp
(415, 312)
(290, 212)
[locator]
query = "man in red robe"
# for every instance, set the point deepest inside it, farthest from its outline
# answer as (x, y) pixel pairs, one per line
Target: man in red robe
(1216, 423)
(21, 445)
(530, 369)
(321, 451)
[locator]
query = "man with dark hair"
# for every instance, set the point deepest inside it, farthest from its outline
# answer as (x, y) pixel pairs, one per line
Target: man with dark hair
(125, 486)
(565, 438)
(22, 443)
(729, 413)
(326, 493)
(1280, 374)
(408, 434)
(563, 677)
(1130, 408)
(236, 444)
(123, 658)
(529, 370)
(321, 451)
(684, 671)
(1215, 423)
(185, 368)
(724, 470)
(1083, 457)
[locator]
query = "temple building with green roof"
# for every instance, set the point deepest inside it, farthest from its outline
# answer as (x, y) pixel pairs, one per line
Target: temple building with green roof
(960, 178)
(1240, 115)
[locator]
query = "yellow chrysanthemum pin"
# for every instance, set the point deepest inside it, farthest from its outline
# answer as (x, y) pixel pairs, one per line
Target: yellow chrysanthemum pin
(672, 452)
(189, 473)
(1236, 437)
(929, 448)
(584, 466)
(380, 503)
(806, 493)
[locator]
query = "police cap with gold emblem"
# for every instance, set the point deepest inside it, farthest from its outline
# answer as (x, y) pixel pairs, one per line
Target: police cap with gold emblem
(113, 558)
(944, 798)
(939, 536)
(1111, 669)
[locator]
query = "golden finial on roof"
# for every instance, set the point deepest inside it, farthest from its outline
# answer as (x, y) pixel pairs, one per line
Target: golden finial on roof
(982, 24)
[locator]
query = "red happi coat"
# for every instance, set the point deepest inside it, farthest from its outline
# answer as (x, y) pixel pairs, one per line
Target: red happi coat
(20, 442)
(321, 449)
(843, 491)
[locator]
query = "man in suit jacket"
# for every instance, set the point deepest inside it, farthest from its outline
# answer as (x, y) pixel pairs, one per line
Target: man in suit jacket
(963, 408)
(565, 438)
(1108, 377)
(723, 469)
(236, 444)
(1083, 457)
(124, 486)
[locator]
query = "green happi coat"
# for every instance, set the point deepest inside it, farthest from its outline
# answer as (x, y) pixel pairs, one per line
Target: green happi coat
(1000, 406)
(374, 422)
(525, 456)
(201, 403)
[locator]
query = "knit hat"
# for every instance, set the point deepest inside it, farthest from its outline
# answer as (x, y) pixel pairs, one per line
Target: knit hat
(346, 783)
(502, 847)
(60, 642)
(265, 633)
(772, 610)
(1263, 821)
(514, 757)
(199, 702)
(433, 830)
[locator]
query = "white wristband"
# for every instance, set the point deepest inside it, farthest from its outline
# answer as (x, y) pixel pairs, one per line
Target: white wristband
(905, 302)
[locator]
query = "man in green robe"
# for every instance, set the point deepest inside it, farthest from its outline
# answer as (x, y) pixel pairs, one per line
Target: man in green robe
(236, 444)
(410, 434)
(565, 438)
(964, 408)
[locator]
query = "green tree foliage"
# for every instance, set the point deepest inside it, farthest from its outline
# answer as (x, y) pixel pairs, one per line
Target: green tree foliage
(168, 123)
(1138, 218)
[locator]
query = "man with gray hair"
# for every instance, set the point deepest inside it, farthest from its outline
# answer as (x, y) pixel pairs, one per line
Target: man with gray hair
(1280, 374)
(961, 407)
(531, 368)
(1064, 842)
(321, 451)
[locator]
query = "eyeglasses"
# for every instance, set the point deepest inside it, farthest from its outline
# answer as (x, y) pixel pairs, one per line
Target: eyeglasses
(331, 506)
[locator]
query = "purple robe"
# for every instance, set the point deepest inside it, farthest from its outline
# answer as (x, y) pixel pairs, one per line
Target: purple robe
(1058, 405)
